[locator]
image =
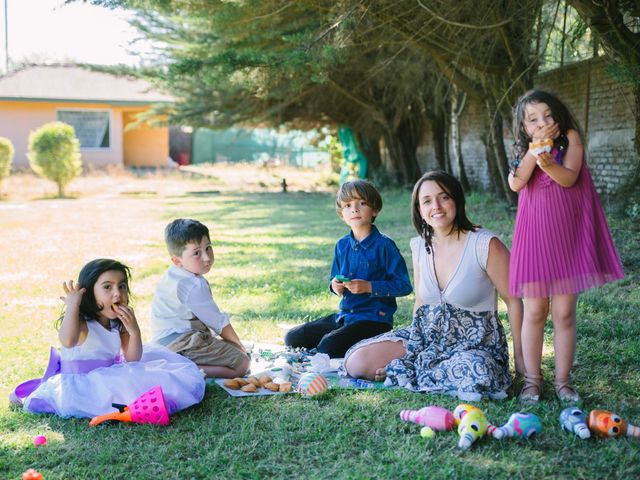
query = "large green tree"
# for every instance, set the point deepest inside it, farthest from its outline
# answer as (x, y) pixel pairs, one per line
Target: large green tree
(298, 62)
(386, 68)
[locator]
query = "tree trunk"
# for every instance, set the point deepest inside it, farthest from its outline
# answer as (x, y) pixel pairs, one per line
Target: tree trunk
(438, 132)
(496, 145)
(494, 174)
(636, 141)
(435, 116)
(402, 143)
(371, 148)
(447, 154)
(456, 143)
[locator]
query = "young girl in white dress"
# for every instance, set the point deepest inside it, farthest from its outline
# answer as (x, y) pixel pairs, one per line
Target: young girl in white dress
(102, 360)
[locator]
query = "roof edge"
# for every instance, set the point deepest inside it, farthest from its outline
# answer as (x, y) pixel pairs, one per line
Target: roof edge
(76, 100)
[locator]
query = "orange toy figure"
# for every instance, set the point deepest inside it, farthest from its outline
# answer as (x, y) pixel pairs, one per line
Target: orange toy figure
(149, 407)
(607, 424)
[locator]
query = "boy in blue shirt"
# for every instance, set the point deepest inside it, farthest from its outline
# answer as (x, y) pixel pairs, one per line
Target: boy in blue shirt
(368, 271)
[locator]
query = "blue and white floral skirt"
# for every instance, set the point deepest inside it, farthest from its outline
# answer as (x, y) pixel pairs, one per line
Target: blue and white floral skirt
(452, 351)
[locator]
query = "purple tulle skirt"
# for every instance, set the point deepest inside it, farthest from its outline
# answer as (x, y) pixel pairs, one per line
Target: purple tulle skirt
(561, 243)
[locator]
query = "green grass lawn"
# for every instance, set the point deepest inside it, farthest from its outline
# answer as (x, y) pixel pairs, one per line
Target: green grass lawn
(273, 254)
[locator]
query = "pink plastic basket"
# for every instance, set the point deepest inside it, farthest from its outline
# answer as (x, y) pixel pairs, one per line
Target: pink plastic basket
(150, 407)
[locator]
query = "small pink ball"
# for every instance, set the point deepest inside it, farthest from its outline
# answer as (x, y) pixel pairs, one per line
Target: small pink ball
(39, 440)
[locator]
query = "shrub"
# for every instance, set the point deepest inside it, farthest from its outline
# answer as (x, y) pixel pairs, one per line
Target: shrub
(54, 153)
(6, 157)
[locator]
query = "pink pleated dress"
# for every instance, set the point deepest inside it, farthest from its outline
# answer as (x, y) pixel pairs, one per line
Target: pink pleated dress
(561, 242)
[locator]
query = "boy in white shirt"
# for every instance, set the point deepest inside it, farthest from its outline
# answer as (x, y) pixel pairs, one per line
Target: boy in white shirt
(183, 312)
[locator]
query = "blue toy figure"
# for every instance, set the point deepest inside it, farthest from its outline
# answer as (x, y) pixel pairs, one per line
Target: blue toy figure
(522, 425)
(574, 420)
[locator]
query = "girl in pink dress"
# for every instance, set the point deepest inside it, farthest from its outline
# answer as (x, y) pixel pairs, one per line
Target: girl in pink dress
(561, 243)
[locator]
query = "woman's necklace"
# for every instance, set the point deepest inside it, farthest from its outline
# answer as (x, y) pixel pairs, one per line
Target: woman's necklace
(435, 273)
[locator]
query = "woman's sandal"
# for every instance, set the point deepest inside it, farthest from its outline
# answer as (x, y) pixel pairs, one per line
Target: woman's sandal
(531, 389)
(565, 392)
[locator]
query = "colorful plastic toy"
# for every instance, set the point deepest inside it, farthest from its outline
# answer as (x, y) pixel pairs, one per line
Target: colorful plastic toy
(437, 418)
(521, 425)
(462, 409)
(472, 427)
(149, 407)
(39, 440)
(574, 420)
(32, 474)
(342, 279)
(312, 384)
(607, 424)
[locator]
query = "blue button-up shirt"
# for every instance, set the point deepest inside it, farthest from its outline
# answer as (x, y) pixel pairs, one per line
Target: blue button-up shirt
(378, 260)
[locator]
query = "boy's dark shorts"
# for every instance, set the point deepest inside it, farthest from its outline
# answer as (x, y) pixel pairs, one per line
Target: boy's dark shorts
(203, 348)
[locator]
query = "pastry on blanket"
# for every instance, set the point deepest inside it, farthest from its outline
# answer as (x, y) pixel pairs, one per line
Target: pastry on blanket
(285, 387)
(241, 381)
(274, 387)
(232, 383)
(541, 146)
(249, 387)
(264, 380)
(254, 380)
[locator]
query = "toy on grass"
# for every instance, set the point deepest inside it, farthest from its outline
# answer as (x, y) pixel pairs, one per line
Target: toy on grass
(607, 424)
(521, 425)
(312, 384)
(462, 409)
(472, 427)
(437, 418)
(149, 407)
(574, 420)
(39, 440)
(32, 474)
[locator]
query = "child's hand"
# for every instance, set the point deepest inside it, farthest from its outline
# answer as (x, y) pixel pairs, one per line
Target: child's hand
(545, 160)
(337, 286)
(548, 131)
(128, 318)
(358, 286)
(74, 294)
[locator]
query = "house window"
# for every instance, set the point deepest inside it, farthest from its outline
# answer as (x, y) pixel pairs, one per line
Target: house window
(92, 126)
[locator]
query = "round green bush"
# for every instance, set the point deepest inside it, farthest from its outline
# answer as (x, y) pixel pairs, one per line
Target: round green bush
(54, 153)
(6, 157)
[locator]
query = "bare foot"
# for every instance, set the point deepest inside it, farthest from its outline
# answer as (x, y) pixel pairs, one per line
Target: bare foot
(381, 375)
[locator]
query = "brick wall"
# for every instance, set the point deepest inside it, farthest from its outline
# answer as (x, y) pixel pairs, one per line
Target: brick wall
(602, 107)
